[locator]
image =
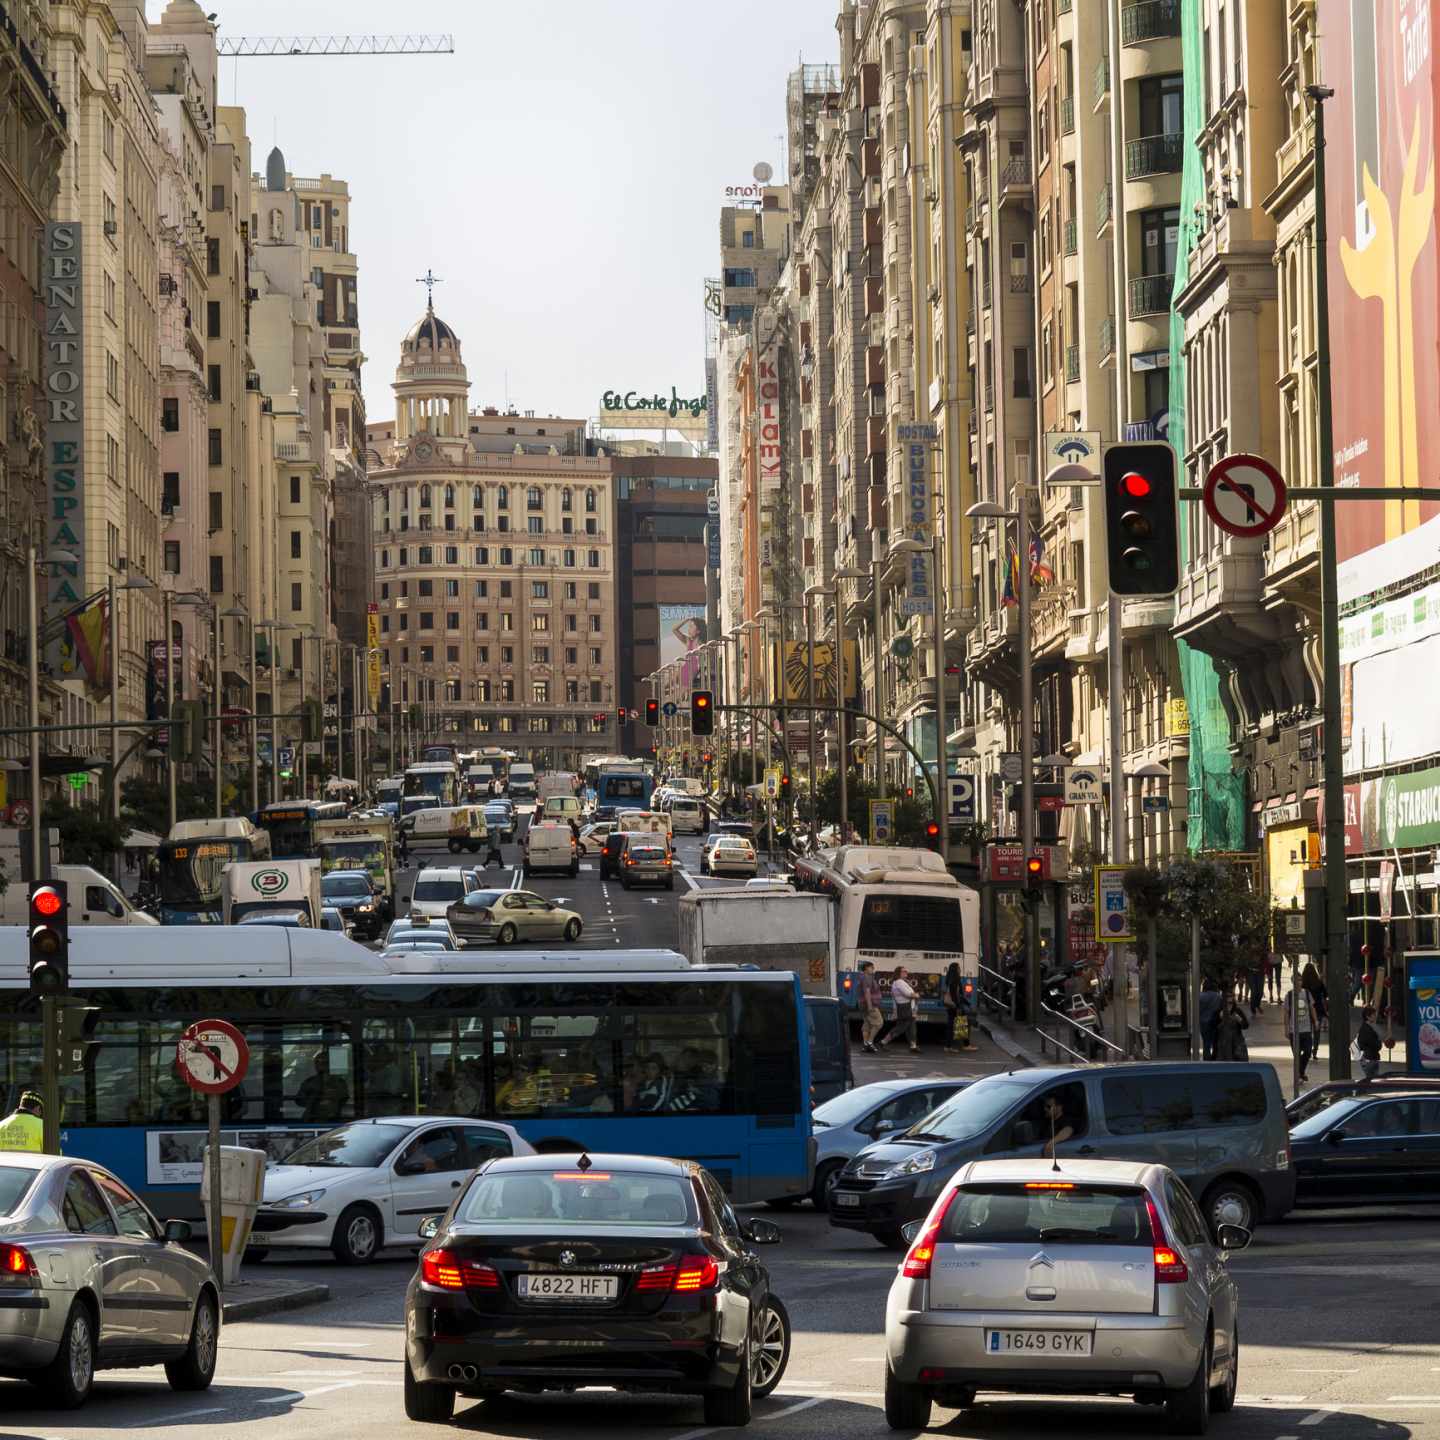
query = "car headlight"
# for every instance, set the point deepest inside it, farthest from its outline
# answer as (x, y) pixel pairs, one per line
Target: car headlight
(302, 1201)
(364, 905)
(916, 1164)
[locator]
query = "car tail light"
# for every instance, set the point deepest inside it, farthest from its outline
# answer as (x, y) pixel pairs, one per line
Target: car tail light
(487, 914)
(697, 1272)
(448, 1271)
(17, 1267)
(1170, 1269)
(922, 1252)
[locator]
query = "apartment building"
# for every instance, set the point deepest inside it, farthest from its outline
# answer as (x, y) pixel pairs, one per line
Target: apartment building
(493, 538)
(34, 129)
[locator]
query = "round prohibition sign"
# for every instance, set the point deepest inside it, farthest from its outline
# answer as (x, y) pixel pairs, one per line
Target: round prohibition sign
(213, 1056)
(1244, 495)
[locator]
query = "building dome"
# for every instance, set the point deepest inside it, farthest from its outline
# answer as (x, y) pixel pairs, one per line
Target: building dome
(430, 330)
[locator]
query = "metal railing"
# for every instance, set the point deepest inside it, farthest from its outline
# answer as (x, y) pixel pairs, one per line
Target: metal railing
(1150, 294)
(1149, 20)
(1154, 155)
(1083, 1036)
(1102, 206)
(1072, 239)
(1102, 79)
(1072, 362)
(997, 991)
(1067, 114)
(1107, 336)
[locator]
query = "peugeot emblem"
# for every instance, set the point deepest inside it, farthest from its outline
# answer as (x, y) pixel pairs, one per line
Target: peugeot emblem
(1041, 1261)
(567, 1259)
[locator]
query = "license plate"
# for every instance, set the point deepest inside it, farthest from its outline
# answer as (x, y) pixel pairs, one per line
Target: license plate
(844, 1201)
(574, 1288)
(1039, 1342)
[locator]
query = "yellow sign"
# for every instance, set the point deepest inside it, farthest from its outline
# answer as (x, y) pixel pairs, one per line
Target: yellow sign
(372, 658)
(796, 687)
(1177, 718)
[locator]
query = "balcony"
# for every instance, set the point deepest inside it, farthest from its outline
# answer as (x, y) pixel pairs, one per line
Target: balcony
(1107, 337)
(985, 293)
(1149, 20)
(875, 435)
(1072, 365)
(1072, 243)
(1150, 295)
(969, 217)
(1104, 206)
(989, 399)
(1067, 114)
(873, 229)
(870, 159)
(1153, 155)
(874, 295)
(1020, 283)
(875, 365)
(1065, 7)
(1102, 79)
(1015, 179)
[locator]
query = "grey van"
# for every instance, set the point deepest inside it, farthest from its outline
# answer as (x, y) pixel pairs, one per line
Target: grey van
(1220, 1127)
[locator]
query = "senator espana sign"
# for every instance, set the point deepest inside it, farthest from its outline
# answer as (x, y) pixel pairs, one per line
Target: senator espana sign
(62, 278)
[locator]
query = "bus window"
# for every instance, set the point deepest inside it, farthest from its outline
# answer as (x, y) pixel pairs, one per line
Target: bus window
(317, 1074)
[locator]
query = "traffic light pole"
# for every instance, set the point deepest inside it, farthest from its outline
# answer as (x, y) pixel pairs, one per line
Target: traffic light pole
(50, 1071)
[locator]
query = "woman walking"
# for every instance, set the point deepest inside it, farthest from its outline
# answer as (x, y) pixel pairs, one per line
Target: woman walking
(902, 993)
(1230, 1032)
(952, 998)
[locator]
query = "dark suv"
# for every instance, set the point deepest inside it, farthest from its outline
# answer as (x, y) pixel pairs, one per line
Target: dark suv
(610, 855)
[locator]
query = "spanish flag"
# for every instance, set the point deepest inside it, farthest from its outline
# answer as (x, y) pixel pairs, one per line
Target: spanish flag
(90, 642)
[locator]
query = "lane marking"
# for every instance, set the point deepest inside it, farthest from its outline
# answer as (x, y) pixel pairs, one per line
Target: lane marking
(1324, 1413)
(289, 1395)
(778, 1415)
(689, 879)
(174, 1419)
(317, 1374)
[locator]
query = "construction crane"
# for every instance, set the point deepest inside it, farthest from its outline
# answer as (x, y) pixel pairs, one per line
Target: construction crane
(337, 45)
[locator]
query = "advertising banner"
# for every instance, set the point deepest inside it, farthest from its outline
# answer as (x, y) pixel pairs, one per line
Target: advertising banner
(1400, 812)
(1422, 1013)
(796, 666)
(919, 441)
(682, 632)
(372, 657)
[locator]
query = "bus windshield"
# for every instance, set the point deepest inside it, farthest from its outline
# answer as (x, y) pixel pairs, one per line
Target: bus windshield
(890, 921)
(364, 854)
(292, 826)
(190, 871)
(615, 788)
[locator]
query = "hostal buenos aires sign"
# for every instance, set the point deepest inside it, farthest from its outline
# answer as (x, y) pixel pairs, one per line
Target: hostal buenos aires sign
(675, 404)
(61, 279)
(918, 440)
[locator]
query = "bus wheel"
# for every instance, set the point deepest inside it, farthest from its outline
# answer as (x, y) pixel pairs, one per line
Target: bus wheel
(454, 846)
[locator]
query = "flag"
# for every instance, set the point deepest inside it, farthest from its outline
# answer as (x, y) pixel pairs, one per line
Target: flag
(1010, 594)
(89, 632)
(1040, 572)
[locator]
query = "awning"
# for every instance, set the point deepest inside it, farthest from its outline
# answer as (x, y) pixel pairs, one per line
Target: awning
(142, 840)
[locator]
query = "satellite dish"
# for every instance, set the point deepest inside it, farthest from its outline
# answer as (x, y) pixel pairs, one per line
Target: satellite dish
(762, 172)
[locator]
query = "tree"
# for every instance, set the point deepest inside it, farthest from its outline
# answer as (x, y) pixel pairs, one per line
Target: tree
(88, 835)
(1234, 918)
(145, 803)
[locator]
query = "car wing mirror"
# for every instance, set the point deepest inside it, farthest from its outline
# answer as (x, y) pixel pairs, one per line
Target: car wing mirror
(178, 1231)
(762, 1232)
(909, 1232)
(1335, 1136)
(430, 1227)
(1232, 1237)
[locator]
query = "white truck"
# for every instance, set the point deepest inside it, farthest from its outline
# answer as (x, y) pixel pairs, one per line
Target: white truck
(774, 930)
(274, 890)
(93, 899)
(361, 845)
(521, 784)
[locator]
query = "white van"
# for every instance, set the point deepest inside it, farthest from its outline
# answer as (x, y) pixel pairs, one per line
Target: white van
(436, 890)
(563, 808)
(461, 827)
(272, 888)
(687, 816)
(91, 898)
(521, 784)
(551, 845)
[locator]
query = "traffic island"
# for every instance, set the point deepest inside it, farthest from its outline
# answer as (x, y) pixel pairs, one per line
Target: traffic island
(255, 1299)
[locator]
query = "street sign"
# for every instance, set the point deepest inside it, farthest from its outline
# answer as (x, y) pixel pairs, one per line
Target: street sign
(1010, 769)
(902, 647)
(1244, 495)
(882, 822)
(772, 782)
(1071, 447)
(1113, 922)
(20, 815)
(962, 799)
(1084, 785)
(213, 1056)
(1154, 804)
(712, 503)
(669, 708)
(287, 759)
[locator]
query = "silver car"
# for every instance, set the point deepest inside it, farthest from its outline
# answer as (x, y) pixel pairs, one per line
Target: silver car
(1083, 1277)
(90, 1280)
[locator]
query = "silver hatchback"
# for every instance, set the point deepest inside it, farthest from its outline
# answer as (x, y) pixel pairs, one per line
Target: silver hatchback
(1095, 1277)
(90, 1280)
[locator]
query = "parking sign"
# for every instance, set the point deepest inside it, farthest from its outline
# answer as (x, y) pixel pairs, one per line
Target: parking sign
(1114, 924)
(882, 822)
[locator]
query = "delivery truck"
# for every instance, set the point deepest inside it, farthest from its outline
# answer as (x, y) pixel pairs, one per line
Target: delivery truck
(771, 929)
(277, 891)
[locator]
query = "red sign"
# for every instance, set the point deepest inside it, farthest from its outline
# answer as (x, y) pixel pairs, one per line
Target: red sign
(1244, 495)
(1354, 837)
(213, 1056)
(1004, 862)
(1050, 802)
(20, 814)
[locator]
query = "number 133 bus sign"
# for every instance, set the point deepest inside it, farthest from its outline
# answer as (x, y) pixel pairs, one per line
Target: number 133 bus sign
(213, 1056)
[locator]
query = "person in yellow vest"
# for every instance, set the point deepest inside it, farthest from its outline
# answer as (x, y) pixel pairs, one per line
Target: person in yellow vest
(24, 1129)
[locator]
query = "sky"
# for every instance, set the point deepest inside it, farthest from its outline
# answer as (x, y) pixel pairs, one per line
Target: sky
(562, 172)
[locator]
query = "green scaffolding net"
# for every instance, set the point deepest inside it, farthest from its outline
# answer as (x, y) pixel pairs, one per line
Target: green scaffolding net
(1216, 802)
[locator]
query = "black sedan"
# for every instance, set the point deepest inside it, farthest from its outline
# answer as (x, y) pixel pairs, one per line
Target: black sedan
(352, 893)
(1369, 1149)
(551, 1272)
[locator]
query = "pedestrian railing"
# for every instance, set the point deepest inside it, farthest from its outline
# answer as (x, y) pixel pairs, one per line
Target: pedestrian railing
(1080, 1034)
(997, 991)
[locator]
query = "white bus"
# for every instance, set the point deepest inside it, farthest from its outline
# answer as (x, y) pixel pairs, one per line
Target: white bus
(440, 778)
(898, 907)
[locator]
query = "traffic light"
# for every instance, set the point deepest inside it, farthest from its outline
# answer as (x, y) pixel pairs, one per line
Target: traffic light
(785, 790)
(702, 712)
(1034, 871)
(652, 712)
(620, 715)
(909, 792)
(709, 757)
(312, 721)
(1141, 529)
(49, 937)
(932, 834)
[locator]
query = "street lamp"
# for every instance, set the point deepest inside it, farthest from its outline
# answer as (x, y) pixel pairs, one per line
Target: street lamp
(1152, 770)
(132, 582)
(873, 576)
(33, 562)
(239, 612)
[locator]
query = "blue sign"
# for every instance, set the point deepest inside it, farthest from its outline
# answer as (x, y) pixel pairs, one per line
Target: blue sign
(962, 799)
(669, 708)
(712, 545)
(1422, 1013)
(287, 759)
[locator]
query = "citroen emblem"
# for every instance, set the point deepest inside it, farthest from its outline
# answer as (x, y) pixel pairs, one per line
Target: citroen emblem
(1039, 1261)
(567, 1259)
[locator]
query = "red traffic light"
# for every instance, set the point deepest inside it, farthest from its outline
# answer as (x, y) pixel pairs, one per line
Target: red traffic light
(1135, 485)
(46, 903)
(700, 700)
(931, 830)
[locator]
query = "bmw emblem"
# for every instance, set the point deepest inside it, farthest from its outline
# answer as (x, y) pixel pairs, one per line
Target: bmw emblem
(567, 1259)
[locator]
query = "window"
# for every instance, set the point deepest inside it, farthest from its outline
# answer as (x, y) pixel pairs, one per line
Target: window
(567, 525)
(590, 502)
(572, 692)
(452, 619)
(217, 448)
(83, 1210)
(592, 559)
(1020, 359)
(507, 555)
(567, 499)
(427, 620)
(217, 511)
(539, 589)
(110, 296)
(572, 655)
(482, 589)
(452, 589)
(569, 559)
(537, 557)
(449, 497)
(595, 692)
(507, 689)
(540, 692)
(1159, 237)
(482, 621)
(112, 376)
(133, 1217)
(424, 497)
(594, 624)
(595, 656)
(107, 139)
(747, 239)
(213, 374)
(482, 555)
(212, 319)
(217, 574)
(1167, 1103)
(535, 525)
(1160, 106)
(534, 499)
(425, 589)
(592, 526)
(297, 595)
(570, 589)
(172, 560)
(427, 654)
(541, 655)
(571, 623)
(592, 590)
(502, 496)
(212, 256)
(295, 545)
(294, 489)
(540, 624)
(507, 620)
(507, 654)
(170, 414)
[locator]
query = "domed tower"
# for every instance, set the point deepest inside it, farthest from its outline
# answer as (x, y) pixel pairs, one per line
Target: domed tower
(431, 387)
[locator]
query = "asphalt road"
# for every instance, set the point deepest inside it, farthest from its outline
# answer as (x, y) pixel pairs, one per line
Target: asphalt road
(1338, 1321)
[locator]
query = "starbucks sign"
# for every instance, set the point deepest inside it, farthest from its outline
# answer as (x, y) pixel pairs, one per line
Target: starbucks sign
(1401, 812)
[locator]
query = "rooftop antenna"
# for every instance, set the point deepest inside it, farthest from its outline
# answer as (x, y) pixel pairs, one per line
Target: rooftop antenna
(1054, 1158)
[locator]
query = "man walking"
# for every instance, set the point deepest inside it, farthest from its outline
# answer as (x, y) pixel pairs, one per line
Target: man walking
(1210, 1007)
(868, 1000)
(24, 1129)
(902, 993)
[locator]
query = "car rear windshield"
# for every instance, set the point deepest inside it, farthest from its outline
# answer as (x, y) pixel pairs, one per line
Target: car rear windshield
(647, 852)
(439, 889)
(14, 1182)
(567, 1197)
(1047, 1212)
(351, 1146)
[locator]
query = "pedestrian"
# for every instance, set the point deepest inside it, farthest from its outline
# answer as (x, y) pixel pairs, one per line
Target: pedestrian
(953, 1000)
(902, 993)
(1300, 1027)
(1272, 979)
(1367, 1042)
(1211, 1004)
(402, 848)
(1230, 1031)
(493, 852)
(24, 1128)
(1257, 987)
(1319, 995)
(868, 1000)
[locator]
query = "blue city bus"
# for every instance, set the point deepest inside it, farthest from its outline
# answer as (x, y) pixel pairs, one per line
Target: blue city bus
(625, 789)
(189, 873)
(625, 1053)
(291, 824)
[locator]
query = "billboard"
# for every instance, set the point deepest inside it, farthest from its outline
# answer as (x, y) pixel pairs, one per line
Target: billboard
(796, 690)
(1380, 171)
(682, 633)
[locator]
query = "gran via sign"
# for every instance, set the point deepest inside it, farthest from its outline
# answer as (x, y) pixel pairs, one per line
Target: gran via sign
(61, 281)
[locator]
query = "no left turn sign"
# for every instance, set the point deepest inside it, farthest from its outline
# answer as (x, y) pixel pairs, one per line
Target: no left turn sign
(1244, 495)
